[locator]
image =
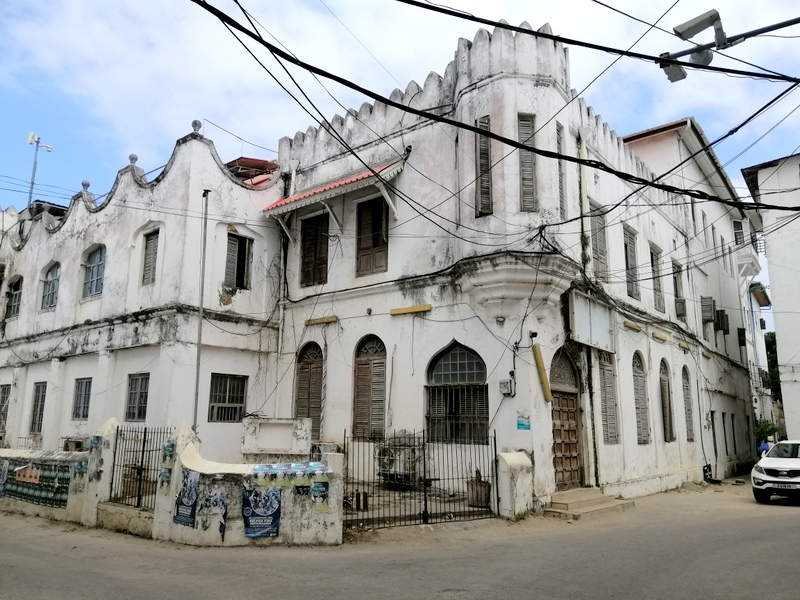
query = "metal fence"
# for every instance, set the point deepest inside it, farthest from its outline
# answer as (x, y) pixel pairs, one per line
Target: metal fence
(407, 479)
(137, 465)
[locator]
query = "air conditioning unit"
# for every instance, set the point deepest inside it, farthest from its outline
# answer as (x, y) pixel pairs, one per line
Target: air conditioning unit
(708, 309)
(320, 448)
(680, 308)
(396, 463)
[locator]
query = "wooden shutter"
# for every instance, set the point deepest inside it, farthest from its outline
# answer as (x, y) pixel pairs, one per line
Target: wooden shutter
(687, 405)
(525, 125)
(314, 253)
(378, 397)
(631, 276)
(483, 203)
(599, 247)
(303, 391)
(315, 400)
(562, 194)
(365, 239)
(640, 399)
(608, 400)
(666, 405)
(361, 404)
(150, 255)
(230, 260)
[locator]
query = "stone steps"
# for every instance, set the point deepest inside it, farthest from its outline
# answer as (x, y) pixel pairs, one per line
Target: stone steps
(584, 503)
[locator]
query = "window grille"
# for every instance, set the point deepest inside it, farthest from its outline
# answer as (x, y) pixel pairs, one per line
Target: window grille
(150, 256)
(83, 392)
(227, 399)
(37, 414)
(137, 397)
(50, 287)
(94, 272)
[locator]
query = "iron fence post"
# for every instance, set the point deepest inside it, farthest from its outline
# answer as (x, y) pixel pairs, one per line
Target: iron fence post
(424, 480)
(140, 471)
(496, 468)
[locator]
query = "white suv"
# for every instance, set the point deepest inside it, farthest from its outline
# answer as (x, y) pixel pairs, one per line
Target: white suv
(778, 472)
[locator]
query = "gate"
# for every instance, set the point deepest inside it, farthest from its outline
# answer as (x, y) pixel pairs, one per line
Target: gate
(137, 465)
(407, 479)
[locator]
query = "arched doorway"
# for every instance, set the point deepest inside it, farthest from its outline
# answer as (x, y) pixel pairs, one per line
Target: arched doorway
(566, 423)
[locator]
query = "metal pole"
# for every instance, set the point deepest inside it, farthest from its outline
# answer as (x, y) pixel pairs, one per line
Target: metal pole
(33, 175)
(200, 310)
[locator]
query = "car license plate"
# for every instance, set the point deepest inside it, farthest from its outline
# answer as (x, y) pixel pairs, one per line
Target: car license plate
(784, 486)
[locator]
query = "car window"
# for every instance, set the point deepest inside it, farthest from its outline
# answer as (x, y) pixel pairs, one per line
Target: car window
(784, 451)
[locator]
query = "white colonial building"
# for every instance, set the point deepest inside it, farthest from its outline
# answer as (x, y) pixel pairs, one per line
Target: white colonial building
(406, 274)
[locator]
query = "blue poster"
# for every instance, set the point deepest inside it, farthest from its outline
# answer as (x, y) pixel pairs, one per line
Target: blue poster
(186, 500)
(261, 512)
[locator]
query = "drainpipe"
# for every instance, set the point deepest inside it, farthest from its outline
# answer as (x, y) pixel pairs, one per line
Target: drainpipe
(200, 311)
(590, 385)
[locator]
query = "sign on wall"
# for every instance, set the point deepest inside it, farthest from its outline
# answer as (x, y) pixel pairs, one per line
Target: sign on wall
(590, 322)
(186, 500)
(261, 512)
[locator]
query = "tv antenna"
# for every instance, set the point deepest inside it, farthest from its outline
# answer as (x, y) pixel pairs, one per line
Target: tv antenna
(36, 141)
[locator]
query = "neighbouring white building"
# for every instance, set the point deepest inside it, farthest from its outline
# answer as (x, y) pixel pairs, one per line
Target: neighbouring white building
(776, 183)
(398, 274)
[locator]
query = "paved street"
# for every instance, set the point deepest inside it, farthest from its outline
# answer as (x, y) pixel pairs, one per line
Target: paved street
(711, 543)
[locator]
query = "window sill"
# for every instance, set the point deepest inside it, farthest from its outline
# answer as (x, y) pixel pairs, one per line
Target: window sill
(86, 299)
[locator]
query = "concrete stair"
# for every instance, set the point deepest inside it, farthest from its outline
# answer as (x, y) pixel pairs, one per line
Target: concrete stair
(584, 503)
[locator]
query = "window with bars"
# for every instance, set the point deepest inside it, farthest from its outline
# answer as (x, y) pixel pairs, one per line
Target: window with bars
(14, 296)
(666, 402)
(93, 272)
(227, 398)
(83, 392)
(50, 287)
(308, 397)
(527, 164)
(562, 192)
(238, 256)
(5, 394)
(483, 160)
(37, 414)
(372, 241)
(631, 268)
(138, 385)
(369, 404)
(150, 256)
(640, 401)
(458, 398)
(655, 268)
(314, 250)
(687, 405)
(608, 399)
(599, 244)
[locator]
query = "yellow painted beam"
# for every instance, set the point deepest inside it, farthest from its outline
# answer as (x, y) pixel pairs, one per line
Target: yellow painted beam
(537, 356)
(322, 320)
(410, 310)
(631, 325)
(661, 337)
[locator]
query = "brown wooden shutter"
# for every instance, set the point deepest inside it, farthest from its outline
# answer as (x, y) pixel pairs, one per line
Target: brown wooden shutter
(314, 251)
(630, 264)
(483, 204)
(562, 193)
(378, 397)
(230, 260)
(303, 391)
(687, 404)
(525, 125)
(150, 255)
(640, 399)
(315, 400)
(361, 403)
(321, 261)
(599, 247)
(608, 401)
(666, 407)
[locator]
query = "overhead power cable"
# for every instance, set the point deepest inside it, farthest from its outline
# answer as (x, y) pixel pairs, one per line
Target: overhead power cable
(275, 51)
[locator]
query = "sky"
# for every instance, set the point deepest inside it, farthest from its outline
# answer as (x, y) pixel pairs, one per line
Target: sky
(98, 81)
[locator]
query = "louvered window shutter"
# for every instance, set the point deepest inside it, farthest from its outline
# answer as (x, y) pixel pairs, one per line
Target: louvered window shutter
(483, 204)
(321, 262)
(687, 402)
(599, 247)
(640, 399)
(150, 255)
(315, 400)
(608, 402)
(526, 164)
(562, 194)
(230, 260)
(303, 387)
(361, 408)
(630, 265)
(666, 408)
(378, 397)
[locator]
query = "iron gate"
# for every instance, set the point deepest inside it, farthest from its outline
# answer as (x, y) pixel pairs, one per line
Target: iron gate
(137, 465)
(407, 479)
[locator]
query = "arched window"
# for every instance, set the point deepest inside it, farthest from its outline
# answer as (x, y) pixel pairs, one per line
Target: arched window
(94, 270)
(687, 405)
(14, 297)
(666, 402)
(640, 400)
(308, 396)
(50, 288)
(369, 404)
(458, 397)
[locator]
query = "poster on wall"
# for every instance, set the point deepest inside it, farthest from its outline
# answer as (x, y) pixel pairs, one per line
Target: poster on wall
(319, 496)
(3, 477)
(186, 500)
(261, 511)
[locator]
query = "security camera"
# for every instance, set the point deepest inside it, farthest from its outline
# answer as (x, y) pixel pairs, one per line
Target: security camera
(691, 28)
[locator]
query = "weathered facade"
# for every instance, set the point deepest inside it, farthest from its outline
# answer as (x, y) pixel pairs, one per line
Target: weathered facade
(407, 274)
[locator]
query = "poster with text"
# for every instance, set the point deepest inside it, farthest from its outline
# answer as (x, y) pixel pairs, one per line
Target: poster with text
(261, 512)
(319, 496)
(186, 500)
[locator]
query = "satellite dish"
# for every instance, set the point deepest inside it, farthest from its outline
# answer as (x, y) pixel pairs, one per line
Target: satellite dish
(50, 222)
(32, 138)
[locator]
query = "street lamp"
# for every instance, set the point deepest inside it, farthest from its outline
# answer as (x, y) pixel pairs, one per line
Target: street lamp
(36, 141)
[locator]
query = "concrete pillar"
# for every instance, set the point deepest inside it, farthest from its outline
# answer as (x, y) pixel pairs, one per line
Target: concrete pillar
(98, 477)
(55, 406)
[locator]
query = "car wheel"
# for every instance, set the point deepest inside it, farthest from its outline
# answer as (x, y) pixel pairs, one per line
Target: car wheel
(761, 496)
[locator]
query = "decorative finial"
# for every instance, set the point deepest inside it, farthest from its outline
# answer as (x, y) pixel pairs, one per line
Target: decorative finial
(196, 125)
(133, 158)
(85, 185)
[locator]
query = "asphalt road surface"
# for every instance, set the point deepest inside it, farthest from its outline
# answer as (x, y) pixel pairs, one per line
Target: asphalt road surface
(702, 543)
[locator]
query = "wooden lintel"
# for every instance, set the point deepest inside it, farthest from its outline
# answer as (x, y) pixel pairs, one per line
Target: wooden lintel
(387, 197)
(322, 320)
(410, 310)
